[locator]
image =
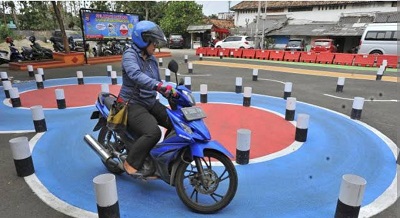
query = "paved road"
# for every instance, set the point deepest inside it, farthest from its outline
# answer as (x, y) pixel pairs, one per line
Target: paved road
(380, 109)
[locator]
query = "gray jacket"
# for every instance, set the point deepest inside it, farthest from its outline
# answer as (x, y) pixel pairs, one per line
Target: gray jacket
(139, 78)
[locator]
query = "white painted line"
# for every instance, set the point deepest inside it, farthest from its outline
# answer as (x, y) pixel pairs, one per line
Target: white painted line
(366, 99)
(272, 80)
(46, 196)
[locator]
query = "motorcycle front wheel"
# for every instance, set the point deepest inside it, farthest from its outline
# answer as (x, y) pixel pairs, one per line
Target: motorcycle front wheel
(109, 141)
(217, 188)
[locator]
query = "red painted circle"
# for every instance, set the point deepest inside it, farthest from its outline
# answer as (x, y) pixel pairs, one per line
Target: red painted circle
(270, 133)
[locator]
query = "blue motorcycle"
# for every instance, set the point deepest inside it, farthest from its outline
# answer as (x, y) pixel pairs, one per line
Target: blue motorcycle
(200, 168)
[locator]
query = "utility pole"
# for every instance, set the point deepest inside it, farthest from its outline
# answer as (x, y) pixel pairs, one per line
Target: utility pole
(264, 20)
(257, 41)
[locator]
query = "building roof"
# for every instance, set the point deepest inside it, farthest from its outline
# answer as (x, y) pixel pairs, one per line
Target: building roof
(225, 24)
(199, 28)
(387, 17)
(285, 4)
(272, 22)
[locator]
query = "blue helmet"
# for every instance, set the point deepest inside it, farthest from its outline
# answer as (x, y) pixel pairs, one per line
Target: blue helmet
(146, 32)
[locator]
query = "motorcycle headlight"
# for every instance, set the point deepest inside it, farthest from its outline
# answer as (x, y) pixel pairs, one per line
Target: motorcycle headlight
(190, 97)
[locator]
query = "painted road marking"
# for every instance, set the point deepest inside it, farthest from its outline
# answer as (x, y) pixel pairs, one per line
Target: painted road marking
(296, 71)
(366, 99)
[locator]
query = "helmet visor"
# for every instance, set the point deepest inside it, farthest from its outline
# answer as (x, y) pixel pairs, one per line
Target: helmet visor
(155, 35)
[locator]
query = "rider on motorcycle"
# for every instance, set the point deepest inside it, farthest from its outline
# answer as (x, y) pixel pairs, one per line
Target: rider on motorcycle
(140, 83)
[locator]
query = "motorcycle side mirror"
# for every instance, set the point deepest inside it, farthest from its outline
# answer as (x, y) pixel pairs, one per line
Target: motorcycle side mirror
(173, 66)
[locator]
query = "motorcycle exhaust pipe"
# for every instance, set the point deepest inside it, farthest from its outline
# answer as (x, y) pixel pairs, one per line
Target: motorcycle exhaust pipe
(100, 151)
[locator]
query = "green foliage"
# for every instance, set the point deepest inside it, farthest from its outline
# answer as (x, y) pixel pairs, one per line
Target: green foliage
(35, 16)
(179, 15)
(151, 9)
(5, 32)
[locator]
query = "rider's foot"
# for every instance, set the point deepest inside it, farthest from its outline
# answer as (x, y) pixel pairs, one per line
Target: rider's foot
(129, 169)
(144, 173)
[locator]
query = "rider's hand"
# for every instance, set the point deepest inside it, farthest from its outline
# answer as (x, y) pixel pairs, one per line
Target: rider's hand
(166, 90)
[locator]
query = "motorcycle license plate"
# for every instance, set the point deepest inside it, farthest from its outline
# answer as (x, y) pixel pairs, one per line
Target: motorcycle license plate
(193, 113)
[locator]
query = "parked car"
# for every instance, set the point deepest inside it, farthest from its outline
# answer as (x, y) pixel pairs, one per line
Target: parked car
(176, 41)
(78, 39)
(379, 38)
(295, 45)
(323, 45)
(236, 42)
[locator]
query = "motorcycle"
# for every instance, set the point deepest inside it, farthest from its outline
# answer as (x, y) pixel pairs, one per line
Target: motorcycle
(4, 57)
(15, 56)
(36, 51)
(200, 169)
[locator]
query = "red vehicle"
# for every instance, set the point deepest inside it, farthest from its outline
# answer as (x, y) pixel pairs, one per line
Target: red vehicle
(323, 45)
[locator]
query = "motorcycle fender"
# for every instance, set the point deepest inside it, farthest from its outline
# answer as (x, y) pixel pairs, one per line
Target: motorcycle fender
(102, 122)
(198, 148)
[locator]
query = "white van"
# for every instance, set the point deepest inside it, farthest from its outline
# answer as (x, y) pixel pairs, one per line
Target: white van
(379, 38)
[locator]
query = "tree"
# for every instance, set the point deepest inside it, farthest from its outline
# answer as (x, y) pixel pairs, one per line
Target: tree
(179, 15)
(57, 11)
(146, 10)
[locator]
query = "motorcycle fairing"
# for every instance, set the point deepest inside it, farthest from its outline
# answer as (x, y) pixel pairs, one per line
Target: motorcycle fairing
(197, 148)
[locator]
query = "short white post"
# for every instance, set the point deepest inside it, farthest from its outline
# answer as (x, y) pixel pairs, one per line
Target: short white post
(203, 93)
(60, 98)
(302, 127)
(380, 72)
(41, 73)
(7, 86)
(14, 96)
(247, 96)
(160, 62)
(201, 56)
(109, 69)
(357, 107)
(39, 81)
(190, 67)
(3, 76)
(79, 75)
(186, 58)
(340, 84)
(238, 85)
(30, 71)
(188, 82)
(290, 108)
(221, 55)
(114, 77)
(243, 146)
(22, 156)
(351, 194)
(231, 53)
(167, 75)
(287, 92)
(255, 74)
(38, 118)
(105, 88)
(106, 195)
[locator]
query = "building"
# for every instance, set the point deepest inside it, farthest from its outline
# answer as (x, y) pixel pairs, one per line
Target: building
(343, 21)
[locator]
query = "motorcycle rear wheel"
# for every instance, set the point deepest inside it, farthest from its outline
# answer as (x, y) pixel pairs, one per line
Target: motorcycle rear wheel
(220, 178)
(107, 138)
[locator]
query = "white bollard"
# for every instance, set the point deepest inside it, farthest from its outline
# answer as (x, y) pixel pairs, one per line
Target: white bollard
(30, 71)
(79, 75)
(167, 75)
(221, 55)
(247, 96)
(190, 67)
(357, 107)
(302, 127)
(243, 146)
(381, 71)
(60, 98)
(114, 77)
(231, 53)
(14, 96)
(41, 73)
(351, 194)
(201, 56)
(38, 118)
(109, 69)
(188, 82)
(238, 85)
(186, 58)
(106, 195)
(255, 74)
(105, 88)
(3, 76)
(7, 86)
(203, 93)
(160, 62)
(39, 81)
(340, 84)
(22, 156)
(384, 63)
(287, 92)
(290, 108)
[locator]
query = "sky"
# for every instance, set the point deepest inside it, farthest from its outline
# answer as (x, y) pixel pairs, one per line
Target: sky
(215, 7)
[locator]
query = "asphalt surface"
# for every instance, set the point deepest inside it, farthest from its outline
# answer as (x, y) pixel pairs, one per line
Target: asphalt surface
(18, 200)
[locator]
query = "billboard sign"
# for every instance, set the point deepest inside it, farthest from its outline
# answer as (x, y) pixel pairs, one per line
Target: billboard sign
(101, 25)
